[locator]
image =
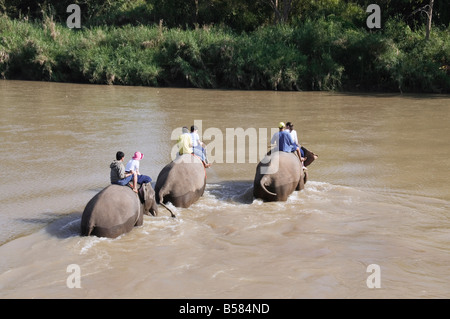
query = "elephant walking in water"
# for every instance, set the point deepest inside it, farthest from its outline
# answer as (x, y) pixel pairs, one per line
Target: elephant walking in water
(117, 209)
(279, 174)
(181, 182)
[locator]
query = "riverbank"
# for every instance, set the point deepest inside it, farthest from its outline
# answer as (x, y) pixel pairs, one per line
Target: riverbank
(310, 55)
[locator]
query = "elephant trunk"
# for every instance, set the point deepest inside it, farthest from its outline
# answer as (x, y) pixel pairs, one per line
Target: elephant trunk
(153, 209)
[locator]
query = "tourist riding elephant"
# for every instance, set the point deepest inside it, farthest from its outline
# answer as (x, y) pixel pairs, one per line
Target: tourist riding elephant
(117, 209)
(181, 182)
(277, 176)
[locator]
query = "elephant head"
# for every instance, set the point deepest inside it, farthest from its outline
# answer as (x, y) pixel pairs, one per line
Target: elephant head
(147, 197)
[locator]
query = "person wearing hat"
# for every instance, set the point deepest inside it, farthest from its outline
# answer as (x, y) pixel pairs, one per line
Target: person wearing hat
(284, 141)
(118, 174)
(133, 165)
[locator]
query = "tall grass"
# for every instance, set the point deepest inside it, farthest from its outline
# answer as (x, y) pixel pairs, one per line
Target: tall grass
(310, 55)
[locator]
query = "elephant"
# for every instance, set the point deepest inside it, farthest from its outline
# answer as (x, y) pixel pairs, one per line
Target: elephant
(279, 174)
(182, 181)
(117, 209)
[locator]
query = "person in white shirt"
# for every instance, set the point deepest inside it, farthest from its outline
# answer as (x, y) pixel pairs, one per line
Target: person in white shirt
(198, 146)
(290, 129)
(133, 166)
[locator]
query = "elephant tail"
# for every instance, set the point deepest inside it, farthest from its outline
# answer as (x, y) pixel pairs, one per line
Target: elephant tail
(263, 186)
(160, 200)
(159, 196)
(171, 213)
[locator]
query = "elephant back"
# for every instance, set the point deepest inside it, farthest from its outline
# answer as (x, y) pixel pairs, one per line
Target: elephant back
(184, 177)
(283, 164)
(115, 208)
(277, 176)
(192, 167)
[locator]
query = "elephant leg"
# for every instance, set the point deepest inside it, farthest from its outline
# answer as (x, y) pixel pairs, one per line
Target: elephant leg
(300, 185)
(302, 182)
(140, 219)
(86, 229)
(115, 231)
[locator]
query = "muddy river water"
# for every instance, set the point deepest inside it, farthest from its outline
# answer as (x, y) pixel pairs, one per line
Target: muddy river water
(378, 196)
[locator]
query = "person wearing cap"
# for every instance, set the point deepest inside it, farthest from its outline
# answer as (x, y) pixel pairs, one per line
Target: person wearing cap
(284, 141)
(198, 146)
(133, 165)
(274, 140)
(118, 174)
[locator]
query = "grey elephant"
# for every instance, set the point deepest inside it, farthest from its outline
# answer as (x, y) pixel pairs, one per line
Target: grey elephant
(181, 182)
(277, 176)
(117, 209)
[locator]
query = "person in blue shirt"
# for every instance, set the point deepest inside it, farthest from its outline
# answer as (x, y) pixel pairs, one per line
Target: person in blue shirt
(285, 143)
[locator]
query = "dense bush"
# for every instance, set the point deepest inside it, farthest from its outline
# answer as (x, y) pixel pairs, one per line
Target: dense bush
(315, 54)
(240, 15)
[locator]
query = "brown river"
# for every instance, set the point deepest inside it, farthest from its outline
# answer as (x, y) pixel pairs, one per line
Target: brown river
(372, 222)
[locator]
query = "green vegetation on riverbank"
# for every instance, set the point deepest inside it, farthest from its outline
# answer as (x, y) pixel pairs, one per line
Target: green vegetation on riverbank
(320, 53)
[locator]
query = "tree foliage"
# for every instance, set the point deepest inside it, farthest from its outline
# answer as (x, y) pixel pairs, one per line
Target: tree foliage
(239, 44)
(239, 15)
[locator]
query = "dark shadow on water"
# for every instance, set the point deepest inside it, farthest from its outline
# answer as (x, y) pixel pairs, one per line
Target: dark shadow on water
(65, 227)
(44, 219)
(58, 225)
(97, 189)
(232, 191)
(412, 96)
